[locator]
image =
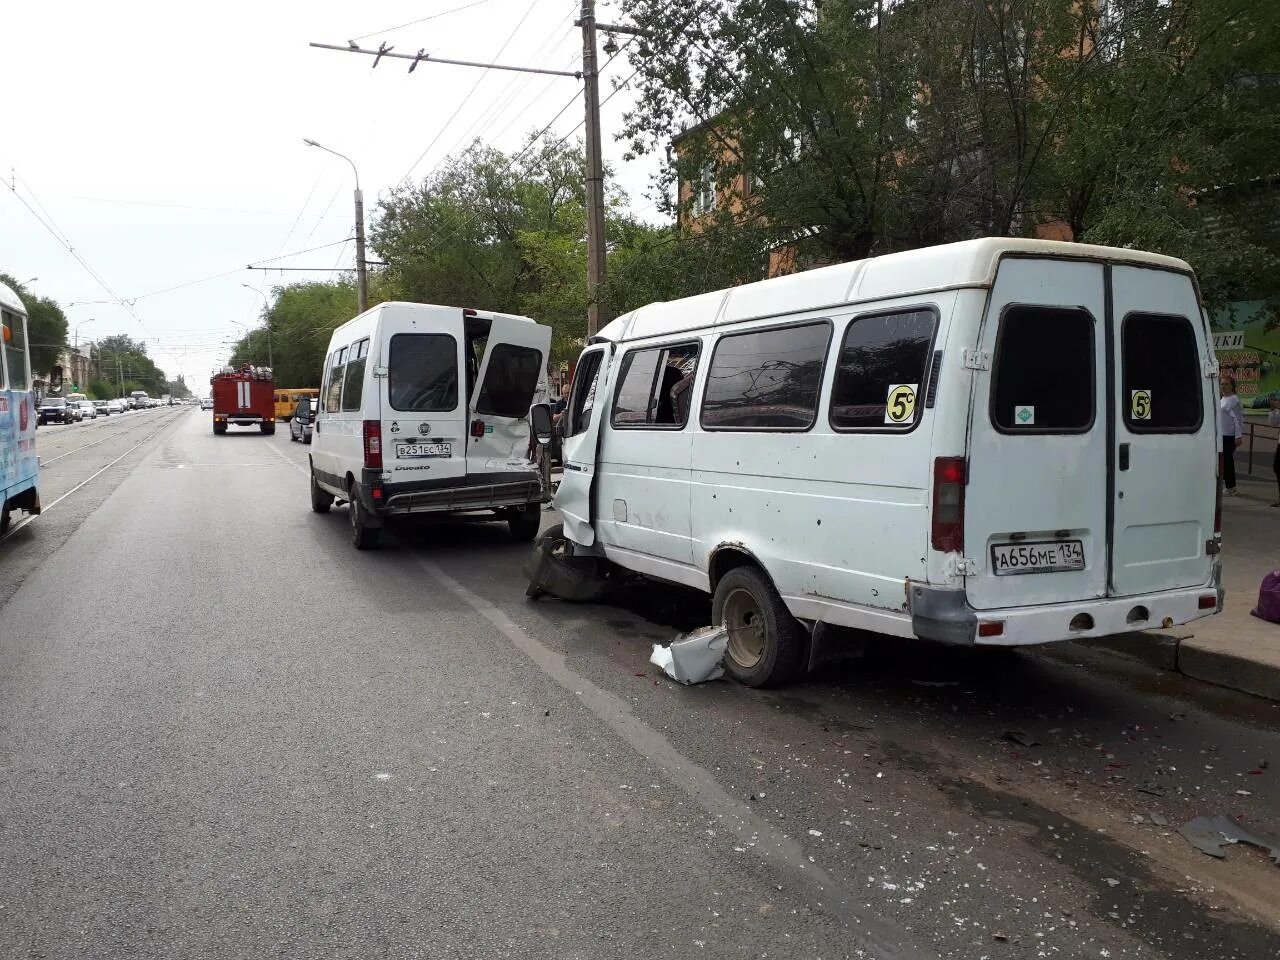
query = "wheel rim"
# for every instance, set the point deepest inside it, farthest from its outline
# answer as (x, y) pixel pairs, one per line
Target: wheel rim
(744, 621)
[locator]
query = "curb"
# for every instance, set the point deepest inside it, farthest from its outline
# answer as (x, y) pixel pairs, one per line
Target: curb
(1181, 654)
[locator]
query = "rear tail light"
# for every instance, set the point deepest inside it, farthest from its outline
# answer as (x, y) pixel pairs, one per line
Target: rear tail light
(949, 476)
(373, 444)
(991, 628)
(477, 428)
(1208, 601)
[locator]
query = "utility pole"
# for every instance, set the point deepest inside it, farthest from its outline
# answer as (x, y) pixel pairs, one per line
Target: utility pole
(362, 274)
(595, 168)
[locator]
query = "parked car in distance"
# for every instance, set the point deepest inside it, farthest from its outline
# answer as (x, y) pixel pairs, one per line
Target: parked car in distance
(115, 406)
(206, 403)
(302, 419)
(102, 407)
(88, 410)
(55, 410)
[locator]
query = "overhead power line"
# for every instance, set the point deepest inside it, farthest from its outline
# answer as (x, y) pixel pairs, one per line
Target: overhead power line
(414, 23)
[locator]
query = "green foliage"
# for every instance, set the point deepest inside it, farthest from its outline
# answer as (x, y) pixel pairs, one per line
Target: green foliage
(46, 327)
(876, 125)
(122, 362)
(300, 319)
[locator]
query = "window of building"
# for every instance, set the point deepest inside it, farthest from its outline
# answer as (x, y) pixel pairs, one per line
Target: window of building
(353, 378)
(422, 375)
(880, 375)
(704, 189)
(655, 387)
(1042, 378)
(1162, 386)
(509, 381)
(333, 389)
(766, 379)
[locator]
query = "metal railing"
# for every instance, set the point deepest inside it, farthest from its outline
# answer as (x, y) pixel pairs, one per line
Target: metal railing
(1259, 431)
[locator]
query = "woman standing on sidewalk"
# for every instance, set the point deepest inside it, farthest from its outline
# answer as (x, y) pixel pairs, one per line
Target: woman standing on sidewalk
(1231, 426)
(1273, 418)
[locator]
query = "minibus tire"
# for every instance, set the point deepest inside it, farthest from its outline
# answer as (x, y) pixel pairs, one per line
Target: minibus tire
(321, 500)
(746, 591)
(524, 522)
(363, 536)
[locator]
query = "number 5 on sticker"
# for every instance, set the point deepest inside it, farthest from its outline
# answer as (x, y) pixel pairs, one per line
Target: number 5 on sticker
(1140, 404)
(900, 404)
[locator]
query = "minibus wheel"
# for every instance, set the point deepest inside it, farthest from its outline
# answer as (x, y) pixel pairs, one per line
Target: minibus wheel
(523, 522)
(321, 500)
(363, 536)
(765, 640)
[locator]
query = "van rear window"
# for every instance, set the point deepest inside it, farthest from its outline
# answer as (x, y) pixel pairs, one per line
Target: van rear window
(422, 372)
(880, 376)
(1042, 380)
(1162, 387)
(509, 381)
(766, 379)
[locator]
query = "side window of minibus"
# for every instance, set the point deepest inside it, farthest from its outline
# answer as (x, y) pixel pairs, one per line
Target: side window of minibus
(324, 383)
(880, 375)
(583, 398)
(353, 379)
(766, 379)
(654, 387)
(333, 399)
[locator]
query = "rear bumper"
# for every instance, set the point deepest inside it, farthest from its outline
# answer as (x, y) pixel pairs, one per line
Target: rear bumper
(944, 615)
(241, 419)
(483, 492)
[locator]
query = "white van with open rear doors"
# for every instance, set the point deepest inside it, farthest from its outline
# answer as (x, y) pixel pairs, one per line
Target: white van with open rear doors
(992, 442)
(424, 409)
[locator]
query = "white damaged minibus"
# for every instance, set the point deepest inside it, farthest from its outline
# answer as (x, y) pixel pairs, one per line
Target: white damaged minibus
(424, 409)
(995, 442)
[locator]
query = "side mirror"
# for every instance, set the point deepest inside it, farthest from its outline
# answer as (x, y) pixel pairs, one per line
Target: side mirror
(540, 419)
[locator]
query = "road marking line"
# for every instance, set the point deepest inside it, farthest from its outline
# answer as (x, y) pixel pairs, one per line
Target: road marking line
(885, 939)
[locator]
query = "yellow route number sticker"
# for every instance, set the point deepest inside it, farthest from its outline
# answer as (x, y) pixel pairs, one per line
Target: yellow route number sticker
(900, 404)
(1140, 404)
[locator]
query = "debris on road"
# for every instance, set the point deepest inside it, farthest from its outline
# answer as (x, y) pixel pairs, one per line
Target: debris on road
(1159, 819)
(1017, 736)
(1212, 834)
(693, 657)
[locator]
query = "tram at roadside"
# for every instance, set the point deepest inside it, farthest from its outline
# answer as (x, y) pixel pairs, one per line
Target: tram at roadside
(19, 465)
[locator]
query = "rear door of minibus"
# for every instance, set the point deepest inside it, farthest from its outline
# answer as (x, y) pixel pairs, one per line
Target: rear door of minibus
(1091, 456)
(509, 370)
(423, 398)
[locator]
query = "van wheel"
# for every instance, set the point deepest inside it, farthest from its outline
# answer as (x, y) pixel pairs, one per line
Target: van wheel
(363, 536)
(523, 522)
(321, 499)
(765, 640)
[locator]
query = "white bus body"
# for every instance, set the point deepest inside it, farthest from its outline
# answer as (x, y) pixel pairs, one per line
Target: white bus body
(991, 442)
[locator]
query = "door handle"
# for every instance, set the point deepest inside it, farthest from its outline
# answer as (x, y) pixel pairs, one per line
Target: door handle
(1124, 456)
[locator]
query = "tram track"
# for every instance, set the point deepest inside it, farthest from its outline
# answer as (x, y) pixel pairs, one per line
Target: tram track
(45, 508)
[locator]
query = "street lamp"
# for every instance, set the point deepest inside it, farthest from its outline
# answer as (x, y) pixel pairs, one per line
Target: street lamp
(362, 277)
(266, 321)
(76, 345)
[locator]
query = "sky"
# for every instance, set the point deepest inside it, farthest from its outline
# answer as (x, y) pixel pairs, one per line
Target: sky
(162, 142)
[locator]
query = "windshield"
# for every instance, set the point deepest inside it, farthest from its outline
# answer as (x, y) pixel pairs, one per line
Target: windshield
(55, 402)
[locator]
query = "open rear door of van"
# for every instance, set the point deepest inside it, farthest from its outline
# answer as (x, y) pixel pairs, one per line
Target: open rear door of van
(515, 356)
(1166, 434)
(1035, 516)
(580, 427)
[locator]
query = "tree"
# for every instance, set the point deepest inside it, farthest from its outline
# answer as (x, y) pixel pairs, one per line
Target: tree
(866, 126)
(123, 366)
(46, 327)
(300, 318)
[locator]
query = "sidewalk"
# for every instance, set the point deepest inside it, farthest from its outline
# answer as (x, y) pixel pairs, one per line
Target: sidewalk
(1233, 649)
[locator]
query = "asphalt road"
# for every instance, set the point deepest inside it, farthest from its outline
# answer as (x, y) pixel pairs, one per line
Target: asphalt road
(225, 733)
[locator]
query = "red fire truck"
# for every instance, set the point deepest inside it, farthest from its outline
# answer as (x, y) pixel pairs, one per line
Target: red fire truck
(244, 397)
